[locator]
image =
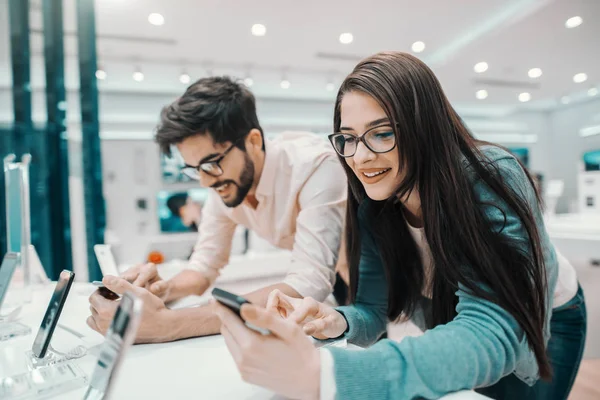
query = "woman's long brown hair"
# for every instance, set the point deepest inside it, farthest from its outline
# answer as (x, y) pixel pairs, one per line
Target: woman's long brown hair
(435, 148)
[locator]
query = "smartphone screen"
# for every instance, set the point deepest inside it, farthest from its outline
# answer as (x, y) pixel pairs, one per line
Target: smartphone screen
(9, 264)
(234, 303)
(106, 260)
(230, 300)
(105, 292)
(44, 335)
(119, 336)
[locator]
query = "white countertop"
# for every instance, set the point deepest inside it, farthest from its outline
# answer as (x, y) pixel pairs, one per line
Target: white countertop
(252, 265)
(574, 226)
(186, 369)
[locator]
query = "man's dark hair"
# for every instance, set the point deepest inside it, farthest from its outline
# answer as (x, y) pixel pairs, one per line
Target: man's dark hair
(175, 202)
(217, 106)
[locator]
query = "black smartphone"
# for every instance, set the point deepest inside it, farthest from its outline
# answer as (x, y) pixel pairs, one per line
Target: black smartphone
(59, 297)
(234, 303)
(105, 292)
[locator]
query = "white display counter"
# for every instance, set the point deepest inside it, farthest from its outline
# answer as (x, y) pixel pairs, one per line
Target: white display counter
(186, 369)
(576, 235)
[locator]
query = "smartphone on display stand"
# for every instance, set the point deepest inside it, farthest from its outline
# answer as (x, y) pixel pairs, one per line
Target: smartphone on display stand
(234, 303)
(7, 269)
(119, 337)
(105, 292)
(59, 297)
(106, 260)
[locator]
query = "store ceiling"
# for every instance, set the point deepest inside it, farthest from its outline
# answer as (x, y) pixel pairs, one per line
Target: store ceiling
(302, 45)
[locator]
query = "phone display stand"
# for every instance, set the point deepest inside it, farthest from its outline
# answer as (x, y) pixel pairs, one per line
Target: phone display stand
(11, 316)
(20, 292)
(55, 357)
(44, 382)
(13, 329)
(18, 225)
(38, 273)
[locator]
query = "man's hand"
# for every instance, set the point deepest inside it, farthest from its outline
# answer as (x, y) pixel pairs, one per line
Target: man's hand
(155, 325)
(146, 276)
(186, 283)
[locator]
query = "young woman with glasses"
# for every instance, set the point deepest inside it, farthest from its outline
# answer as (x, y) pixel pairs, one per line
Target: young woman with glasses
(442, 228)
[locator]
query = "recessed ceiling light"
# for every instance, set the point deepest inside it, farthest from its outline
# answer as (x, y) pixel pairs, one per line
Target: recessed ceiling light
(535, 73)
(593, 91)
(184, 78)
(138, 76)
(480, 67)
(101, 74)
(346, 38)
(581, 77)
(248, 81)
(524, 97)
(259, 30)
(285, 84)
(574, 22)
(330, 87)
(156, 19)
(481, 94)
(565, 99)
(418, 47)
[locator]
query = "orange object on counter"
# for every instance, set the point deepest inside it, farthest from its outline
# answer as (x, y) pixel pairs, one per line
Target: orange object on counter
(156, 257)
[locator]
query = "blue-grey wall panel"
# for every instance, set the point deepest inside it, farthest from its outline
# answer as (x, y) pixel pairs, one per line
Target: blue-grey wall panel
(26, 139)
(57, 151)
(95, 217)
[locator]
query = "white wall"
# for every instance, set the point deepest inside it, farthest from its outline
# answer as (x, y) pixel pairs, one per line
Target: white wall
(131, 171)
(558, 147)
(564, 157)
(522, 129)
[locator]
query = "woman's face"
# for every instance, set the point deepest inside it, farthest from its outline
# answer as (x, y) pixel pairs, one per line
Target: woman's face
(378, 172)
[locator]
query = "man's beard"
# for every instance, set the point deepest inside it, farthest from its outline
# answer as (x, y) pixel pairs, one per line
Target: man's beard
(246, 181)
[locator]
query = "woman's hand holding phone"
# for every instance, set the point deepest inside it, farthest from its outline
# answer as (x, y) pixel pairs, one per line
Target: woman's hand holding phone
(317, 319)
(285, 361)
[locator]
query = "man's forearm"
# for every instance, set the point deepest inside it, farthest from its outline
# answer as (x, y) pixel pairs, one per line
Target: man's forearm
(201, 321)
(193, 322)
(187, 283)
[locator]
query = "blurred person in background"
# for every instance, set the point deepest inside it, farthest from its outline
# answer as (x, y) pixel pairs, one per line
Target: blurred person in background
(185, 208)
(439, 226)
(290, 191)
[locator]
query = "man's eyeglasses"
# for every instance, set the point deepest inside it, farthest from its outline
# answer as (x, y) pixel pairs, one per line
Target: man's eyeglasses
(379, 139)
(212, 167)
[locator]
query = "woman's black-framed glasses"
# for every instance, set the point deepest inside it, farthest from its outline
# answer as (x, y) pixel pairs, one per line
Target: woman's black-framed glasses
(212, 167)
(379, 139)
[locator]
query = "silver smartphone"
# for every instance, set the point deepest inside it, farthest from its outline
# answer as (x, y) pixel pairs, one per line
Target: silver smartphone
(119, 337)
(106, 260)
(7, 269)
(59, 297)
